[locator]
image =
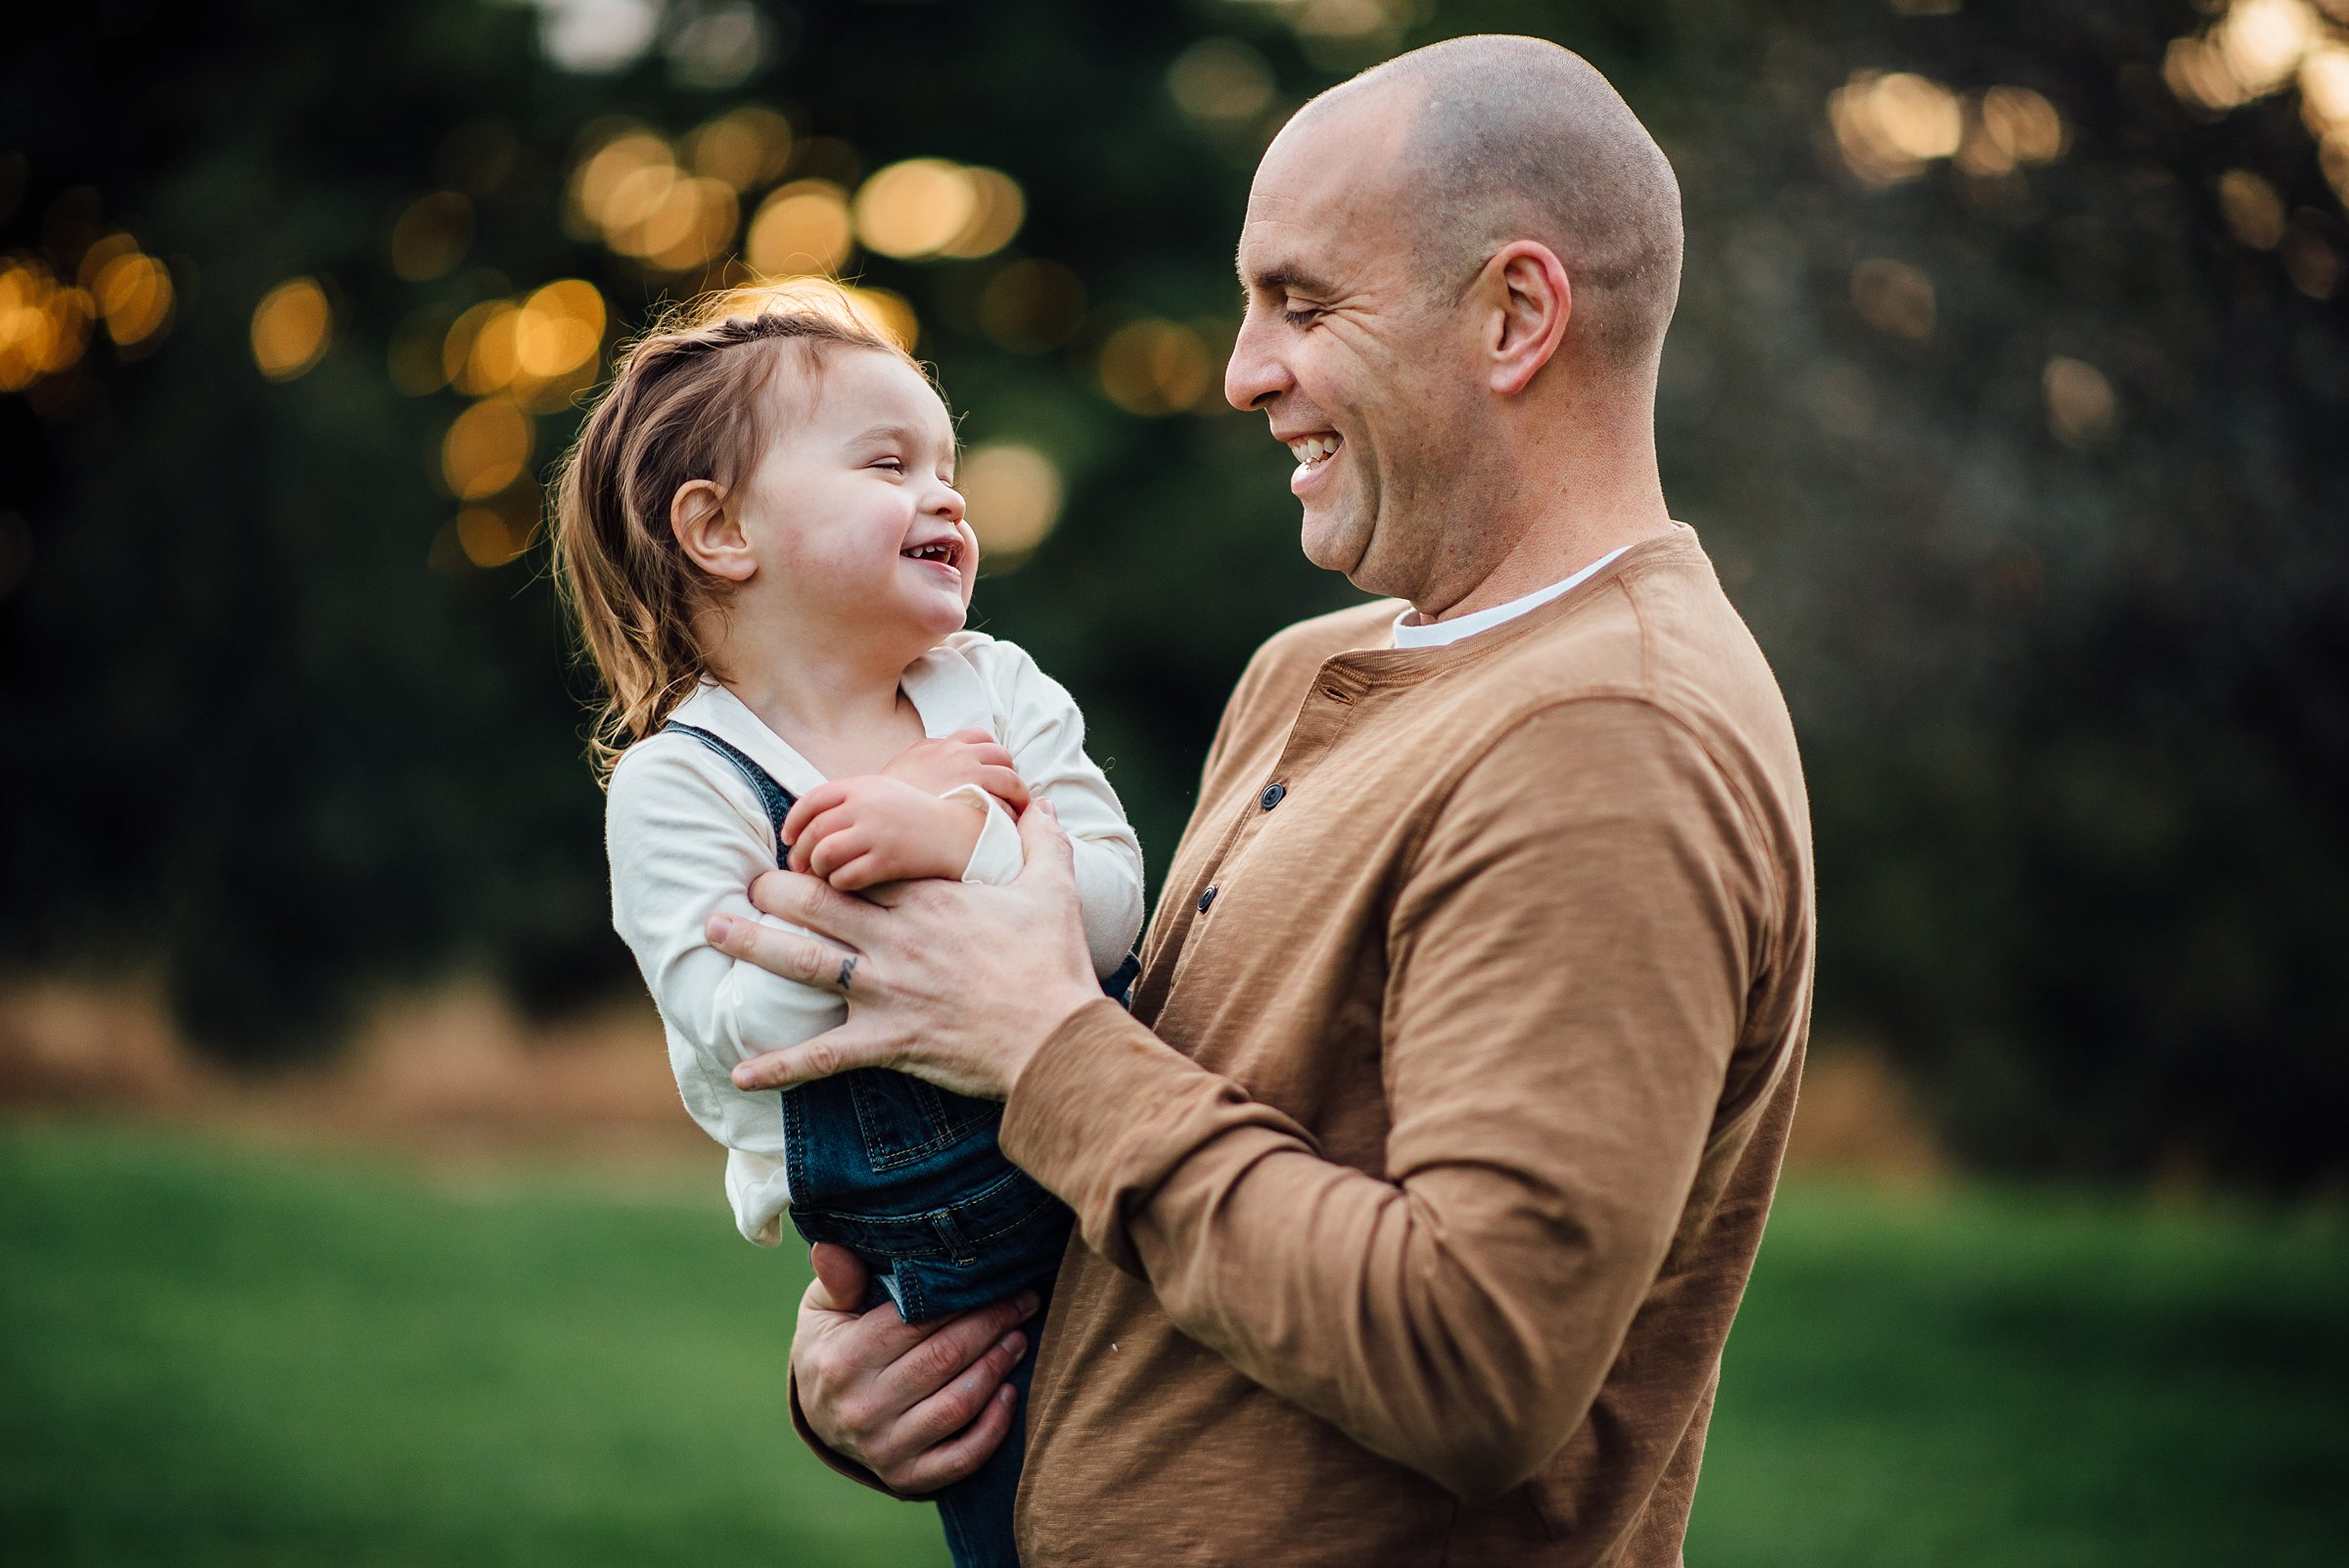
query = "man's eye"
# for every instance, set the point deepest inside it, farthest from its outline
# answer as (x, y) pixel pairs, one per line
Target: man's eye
(1298, 315)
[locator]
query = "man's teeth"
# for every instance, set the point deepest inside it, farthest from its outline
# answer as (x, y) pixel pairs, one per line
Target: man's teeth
(1312, 450)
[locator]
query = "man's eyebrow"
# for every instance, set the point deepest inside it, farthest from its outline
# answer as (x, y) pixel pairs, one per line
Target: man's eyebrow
(1287, 277)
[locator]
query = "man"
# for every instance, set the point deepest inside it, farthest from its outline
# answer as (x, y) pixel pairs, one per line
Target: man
(1418, 1191)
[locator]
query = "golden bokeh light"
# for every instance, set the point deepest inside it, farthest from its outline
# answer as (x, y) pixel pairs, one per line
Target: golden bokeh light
(432, 236)
(487, 362)
(132, 291)
(2081, 410)
(2022, 126)
(44, 325)
(876, 309)
(2260, 42)
(1155, 367)
(487, 448)
(2325, 90)
(1220, 81)
(915, 208)
(998, 208)
(292, 328)
(2254, 212)
(745, 146)
(1012, 496)
(2255, 48)
(1031, 306)
(599, 178)
(685, 228)
(802, 227)
(885, 311)
(1894, 298)
(1889, 125)
(489, 538)
(541, 349)
(561, 327)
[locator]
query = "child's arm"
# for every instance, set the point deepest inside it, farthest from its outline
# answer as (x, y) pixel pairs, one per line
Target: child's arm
(1045, 731)
(687, 838)
(920, 816)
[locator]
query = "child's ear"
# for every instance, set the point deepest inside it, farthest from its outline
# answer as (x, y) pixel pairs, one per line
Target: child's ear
(709, 533)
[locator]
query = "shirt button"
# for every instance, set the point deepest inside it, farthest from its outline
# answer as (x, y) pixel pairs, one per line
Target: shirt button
(1207, 898)
(1274, 795)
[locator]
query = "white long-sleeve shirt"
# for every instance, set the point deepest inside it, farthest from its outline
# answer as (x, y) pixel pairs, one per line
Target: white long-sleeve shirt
(687, 836)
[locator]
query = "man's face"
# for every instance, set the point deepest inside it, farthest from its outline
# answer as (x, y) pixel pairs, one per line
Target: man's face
(1354, 351)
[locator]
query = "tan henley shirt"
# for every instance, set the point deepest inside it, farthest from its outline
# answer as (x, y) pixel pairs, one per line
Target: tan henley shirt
(1419, 1189)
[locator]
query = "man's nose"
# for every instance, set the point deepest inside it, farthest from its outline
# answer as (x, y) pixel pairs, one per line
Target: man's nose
(1254, 374)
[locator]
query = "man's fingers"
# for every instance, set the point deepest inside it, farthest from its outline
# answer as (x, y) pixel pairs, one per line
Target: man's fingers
(1043, 846)
(809, 960)
(962, 1455)
(840, 1278)
(932, 1364)
(836, 1051)
(811, 902)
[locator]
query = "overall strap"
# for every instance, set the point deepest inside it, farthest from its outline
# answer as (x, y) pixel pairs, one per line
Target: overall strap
(777, 799)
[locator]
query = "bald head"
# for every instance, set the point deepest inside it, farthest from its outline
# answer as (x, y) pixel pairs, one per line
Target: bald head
(1514, 138)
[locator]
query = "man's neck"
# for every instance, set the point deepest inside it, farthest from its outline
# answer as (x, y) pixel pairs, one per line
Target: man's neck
(1548, 555)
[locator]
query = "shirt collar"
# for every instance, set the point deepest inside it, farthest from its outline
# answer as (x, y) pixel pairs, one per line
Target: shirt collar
(944, 688)
(1440, 633)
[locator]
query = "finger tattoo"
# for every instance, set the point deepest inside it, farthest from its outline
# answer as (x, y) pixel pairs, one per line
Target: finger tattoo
(847, 972)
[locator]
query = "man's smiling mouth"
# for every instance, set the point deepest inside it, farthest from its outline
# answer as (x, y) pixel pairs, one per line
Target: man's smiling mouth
(1312, 452)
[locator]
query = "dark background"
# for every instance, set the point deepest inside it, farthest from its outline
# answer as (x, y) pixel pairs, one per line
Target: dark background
(2030, 471)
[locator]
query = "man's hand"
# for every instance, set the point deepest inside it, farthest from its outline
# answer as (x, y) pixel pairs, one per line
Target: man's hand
(966, 757)
(953, 982)
(920, 1405)
(863, 831)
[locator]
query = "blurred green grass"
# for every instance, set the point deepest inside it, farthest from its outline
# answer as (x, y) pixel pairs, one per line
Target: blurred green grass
(215, 1353)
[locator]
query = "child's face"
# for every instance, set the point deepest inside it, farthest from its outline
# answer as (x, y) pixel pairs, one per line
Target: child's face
(852, 511)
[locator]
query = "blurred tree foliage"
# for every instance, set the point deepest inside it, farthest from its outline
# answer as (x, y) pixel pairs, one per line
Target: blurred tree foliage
(2025, 458)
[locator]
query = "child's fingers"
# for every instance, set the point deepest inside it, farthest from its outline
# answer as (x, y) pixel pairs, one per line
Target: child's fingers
(1004, 785)
(836, 849)
(808, 806)
(813, 833)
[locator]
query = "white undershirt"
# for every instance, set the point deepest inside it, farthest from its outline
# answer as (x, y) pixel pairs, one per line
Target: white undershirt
(1437, 634)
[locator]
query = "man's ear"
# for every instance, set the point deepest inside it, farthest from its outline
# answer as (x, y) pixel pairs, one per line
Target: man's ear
(1530, 300)
(709, 533)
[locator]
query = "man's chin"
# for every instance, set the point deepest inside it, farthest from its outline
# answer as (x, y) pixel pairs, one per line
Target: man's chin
(1334, 543)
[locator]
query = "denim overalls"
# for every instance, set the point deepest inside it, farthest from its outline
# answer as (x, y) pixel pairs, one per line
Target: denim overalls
(908, 1177)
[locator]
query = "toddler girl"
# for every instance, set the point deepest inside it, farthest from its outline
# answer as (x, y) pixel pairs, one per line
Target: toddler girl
(760, 533)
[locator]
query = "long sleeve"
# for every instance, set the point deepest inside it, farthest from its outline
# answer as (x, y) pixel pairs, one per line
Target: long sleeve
(1570, 954)
(687, 839)
(1041, 726)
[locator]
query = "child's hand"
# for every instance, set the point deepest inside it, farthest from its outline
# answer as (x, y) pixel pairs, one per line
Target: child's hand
(863, 831)
(966, 757)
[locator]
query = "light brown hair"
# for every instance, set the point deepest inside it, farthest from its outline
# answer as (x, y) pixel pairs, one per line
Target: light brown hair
(687, 401)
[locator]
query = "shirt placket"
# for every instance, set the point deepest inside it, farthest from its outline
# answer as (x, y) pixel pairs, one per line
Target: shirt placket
(1329, 706)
